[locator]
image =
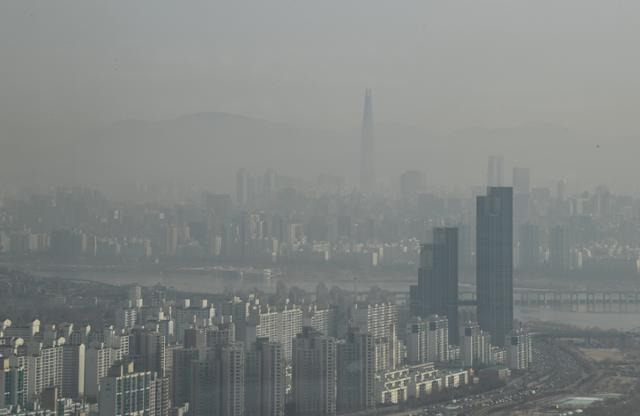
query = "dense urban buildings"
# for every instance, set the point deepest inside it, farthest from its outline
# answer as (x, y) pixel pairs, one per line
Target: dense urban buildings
(340, 344)
(258, 346)
(286, 223)
(200, 215)
(377, 355)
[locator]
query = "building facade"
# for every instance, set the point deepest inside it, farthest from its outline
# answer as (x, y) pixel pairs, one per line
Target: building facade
(494, 261)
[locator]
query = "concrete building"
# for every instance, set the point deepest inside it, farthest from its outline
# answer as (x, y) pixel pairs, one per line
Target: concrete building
(217, 382)
(148, 350)
(392, 386)
(98, 360)
(519, 350)
(265, 379)
(355, 375)
(475, 346)
(427, 340)
(417, 381)
(13, 383)
(322, 320)
(438, 338)
(126, 317)
(279, 326)
(186, 315)
(181, 374)
(416, 340)
(314, 374)
(127, 392)
(73, 362)
(380, 320)
(44, 370)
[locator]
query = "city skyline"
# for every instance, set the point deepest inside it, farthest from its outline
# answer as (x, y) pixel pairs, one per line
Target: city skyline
(204, 213)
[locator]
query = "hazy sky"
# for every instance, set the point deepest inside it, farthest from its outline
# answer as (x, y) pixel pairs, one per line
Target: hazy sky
(443, 64)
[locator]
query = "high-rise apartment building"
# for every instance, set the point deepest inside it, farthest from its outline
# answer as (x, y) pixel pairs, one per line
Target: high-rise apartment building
(378, 319)
(355, 375)
(188, 314)
(279, 326)
(221, 334)
(475, 346)
(98, 360)
(314, 374)
(381, 321)
(44, 370)
(416, 340)
(437, 338)
(217, 382)
(125, 391)
(205, 387)
(126, 317)
(494, 261)
(181, 374)
(265, 379)
(73, 362)
(13, 382)
(427, 339)
(322, 320)
(519, 350)
(148, 350)
(233, 381)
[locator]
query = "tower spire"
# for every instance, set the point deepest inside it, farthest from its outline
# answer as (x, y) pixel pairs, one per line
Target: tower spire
(367, 146)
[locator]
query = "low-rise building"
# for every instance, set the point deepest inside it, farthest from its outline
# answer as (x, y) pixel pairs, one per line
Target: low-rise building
(417, 381)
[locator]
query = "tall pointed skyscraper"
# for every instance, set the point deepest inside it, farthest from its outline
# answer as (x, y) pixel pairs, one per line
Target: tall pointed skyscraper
(367, 147)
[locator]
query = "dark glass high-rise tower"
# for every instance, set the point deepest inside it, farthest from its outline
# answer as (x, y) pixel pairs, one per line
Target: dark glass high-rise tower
(494, 262)
(367, 147)
(437, 290)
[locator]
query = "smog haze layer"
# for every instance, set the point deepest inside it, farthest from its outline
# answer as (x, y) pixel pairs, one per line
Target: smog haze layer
(102, 93)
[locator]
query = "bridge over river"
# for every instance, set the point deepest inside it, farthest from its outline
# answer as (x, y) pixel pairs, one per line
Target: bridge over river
(566, 300)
